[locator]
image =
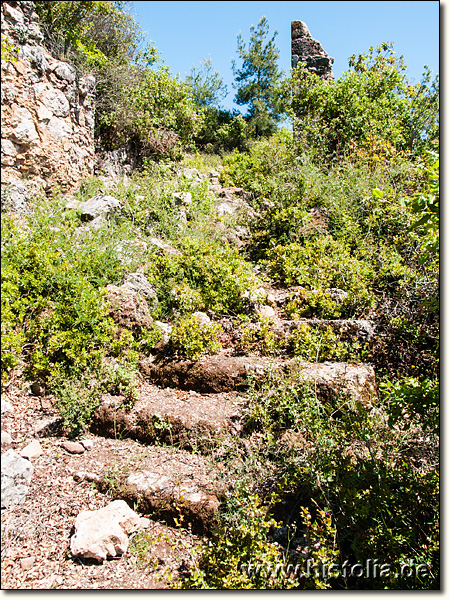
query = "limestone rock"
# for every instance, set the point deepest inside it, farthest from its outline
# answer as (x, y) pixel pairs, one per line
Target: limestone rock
(192, 174)
(166, 330)
(182, 198)
(45, 109)
(51, 426)
(6, 408)
(100, 205)
(137, 282)
(16, 475)
(6, 439)
(27, 563)
(32, 450)
(15, 197)
(266, 312)
(164, 247)
(202, 317)
(87, 444)
(104, 532)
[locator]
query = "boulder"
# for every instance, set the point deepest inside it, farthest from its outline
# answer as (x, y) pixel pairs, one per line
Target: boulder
(16, 475)
(137, 282)
(104, 532)
(100, 205)
(128, 308)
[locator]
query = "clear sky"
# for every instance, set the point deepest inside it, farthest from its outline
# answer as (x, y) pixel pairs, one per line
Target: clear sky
(187, 32)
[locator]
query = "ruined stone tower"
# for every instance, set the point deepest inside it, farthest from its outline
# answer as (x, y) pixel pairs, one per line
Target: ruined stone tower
(308, 50)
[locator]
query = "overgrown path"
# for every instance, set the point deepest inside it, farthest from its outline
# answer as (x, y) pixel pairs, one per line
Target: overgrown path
(173, 454)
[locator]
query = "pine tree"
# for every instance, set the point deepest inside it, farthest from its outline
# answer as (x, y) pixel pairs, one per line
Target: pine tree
(257, 80)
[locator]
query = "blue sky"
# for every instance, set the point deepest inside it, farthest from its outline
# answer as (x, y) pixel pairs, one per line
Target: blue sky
(187, 32)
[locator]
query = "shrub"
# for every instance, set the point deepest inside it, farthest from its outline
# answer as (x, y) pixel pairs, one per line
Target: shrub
(314, 345)
(192, 338)
(207, 270)
(240, 555)
(323, 263)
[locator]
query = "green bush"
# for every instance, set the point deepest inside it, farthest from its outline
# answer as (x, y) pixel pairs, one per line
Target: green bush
(318, 304)
(209, 275)
(378, 483)
(192, 338)
(241, 542)
(323, 263)
(314, 345)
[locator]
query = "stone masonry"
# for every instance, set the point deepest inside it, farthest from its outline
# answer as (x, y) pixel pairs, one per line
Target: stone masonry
(309, 51)
(47, 113)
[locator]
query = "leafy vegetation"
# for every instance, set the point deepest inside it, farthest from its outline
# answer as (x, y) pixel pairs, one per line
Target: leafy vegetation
(257, 79)
(344, 218)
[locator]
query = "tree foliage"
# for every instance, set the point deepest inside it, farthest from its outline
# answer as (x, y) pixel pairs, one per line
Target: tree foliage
(372, 99)
(258, 78)
(206, 86)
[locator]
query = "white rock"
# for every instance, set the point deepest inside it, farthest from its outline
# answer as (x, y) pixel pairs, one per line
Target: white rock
(87, 444)
(166, 330)
(59, 128)
(6, 408)
(182, 198)
(102, 533)
(12, 13)
(9, 148)
(138, 282)
(33, 450)
(6, 439)
(56, 102)
(202, 317)
(100, 205)
(24, 131)
(8, 93)
(267, 312)
(65, 71)
(16, 475)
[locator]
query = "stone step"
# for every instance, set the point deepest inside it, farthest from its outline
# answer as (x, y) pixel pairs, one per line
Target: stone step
(215, 374)
(185, 419)
(165, 484)
(361, 330)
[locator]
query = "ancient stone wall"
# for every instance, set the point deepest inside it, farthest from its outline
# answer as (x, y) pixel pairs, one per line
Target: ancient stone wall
(47, 112)
(308, 50)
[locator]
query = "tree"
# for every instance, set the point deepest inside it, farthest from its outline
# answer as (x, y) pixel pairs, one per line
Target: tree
(206, 85)
(257, 79)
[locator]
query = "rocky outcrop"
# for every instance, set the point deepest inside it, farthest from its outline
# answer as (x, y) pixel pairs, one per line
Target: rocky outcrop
(47, 113)
(128, 308)
(307, 50)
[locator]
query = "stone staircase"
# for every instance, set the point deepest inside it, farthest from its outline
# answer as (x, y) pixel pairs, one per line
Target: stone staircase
(186, 408)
